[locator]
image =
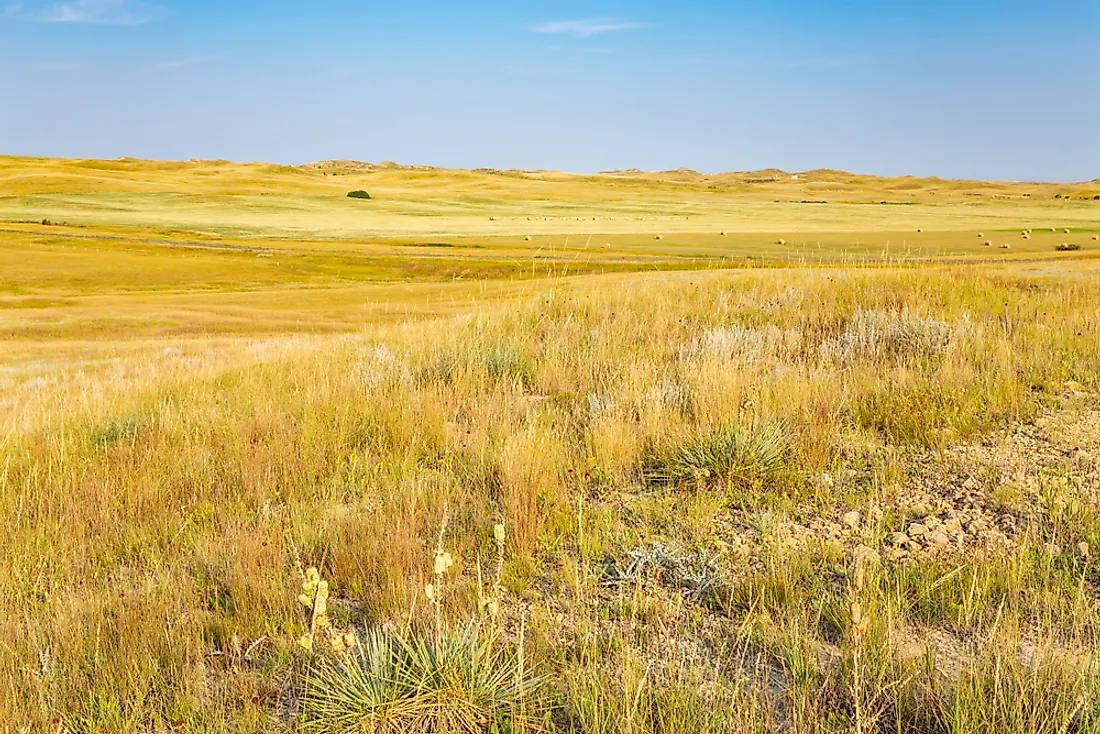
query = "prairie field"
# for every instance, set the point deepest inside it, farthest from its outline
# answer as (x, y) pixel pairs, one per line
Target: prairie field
(505, 451)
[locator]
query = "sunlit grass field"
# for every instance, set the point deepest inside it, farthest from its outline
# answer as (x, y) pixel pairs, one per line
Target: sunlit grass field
(790, 467)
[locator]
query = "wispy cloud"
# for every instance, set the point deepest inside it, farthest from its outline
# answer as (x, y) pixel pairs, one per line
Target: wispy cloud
(100, 12)
(587, 27)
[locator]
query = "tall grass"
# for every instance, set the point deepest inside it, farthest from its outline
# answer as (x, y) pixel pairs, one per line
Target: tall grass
(154, 512)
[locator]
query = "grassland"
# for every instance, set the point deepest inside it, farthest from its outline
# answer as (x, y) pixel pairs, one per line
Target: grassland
(844, 483)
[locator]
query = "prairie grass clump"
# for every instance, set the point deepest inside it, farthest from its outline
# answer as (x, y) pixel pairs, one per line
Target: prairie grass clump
(119, 430)
(507, 364)
(874, 334)
(457, 682)
(740, 344)
(733, 457)
(450, 681)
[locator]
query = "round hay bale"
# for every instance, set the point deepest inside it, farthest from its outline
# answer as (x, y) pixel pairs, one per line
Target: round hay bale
(782, 242)
(659, 237)
(527, 238)
(1005, 246)
(980, 235)
(919, 230)
(1065, 231)
(988, 243)
(722, 234)
(1095, 238)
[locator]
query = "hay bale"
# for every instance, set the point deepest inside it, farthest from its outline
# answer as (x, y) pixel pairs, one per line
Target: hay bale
(988, 243)
(527, 238)
(1065, 231)
(980, 235)
(782, 242)
(1005, 246)
(659, 237)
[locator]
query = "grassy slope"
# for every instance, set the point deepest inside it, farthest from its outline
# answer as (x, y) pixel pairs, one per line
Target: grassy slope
(176, 434)
(160, 249)
(278, 201)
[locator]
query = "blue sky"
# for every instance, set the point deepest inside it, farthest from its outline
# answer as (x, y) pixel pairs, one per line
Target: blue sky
(962, 88)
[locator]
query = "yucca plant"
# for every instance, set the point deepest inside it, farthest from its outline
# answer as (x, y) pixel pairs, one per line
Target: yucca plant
(735, 456)
(457, 682)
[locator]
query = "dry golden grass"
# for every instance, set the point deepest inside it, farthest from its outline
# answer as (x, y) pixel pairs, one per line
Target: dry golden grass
(702, 473)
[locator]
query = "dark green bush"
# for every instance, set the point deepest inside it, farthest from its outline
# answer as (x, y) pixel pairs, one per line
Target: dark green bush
(359, 194)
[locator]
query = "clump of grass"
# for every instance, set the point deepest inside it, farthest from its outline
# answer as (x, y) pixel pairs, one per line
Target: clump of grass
(452, 681)
(119, 431)
(737, 343)
(873, 334)
(1067, 247)
(697, 573)
(507, 364)
(734, 457)
(460, 681)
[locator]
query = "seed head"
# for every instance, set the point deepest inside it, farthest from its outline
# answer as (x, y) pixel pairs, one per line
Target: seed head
(443, 563)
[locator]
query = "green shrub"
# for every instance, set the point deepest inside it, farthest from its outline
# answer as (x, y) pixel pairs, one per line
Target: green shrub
(1067, 248)
(358, 194)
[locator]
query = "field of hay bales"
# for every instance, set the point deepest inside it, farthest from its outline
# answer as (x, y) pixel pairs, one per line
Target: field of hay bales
(481, 453)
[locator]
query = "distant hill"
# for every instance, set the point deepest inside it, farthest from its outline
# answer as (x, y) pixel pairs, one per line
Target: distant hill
(32, 176)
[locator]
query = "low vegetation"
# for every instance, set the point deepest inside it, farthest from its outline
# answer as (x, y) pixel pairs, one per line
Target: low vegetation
(706, 480)
(625, 454)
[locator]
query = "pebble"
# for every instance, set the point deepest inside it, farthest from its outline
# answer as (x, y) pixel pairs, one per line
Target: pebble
(917, 529)
(940, 538)
(851, 519)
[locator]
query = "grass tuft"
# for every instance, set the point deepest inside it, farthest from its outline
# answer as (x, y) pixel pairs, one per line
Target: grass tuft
(457, 682)
(734, 457)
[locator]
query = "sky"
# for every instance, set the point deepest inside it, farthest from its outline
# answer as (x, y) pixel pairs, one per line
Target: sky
(987, 89)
